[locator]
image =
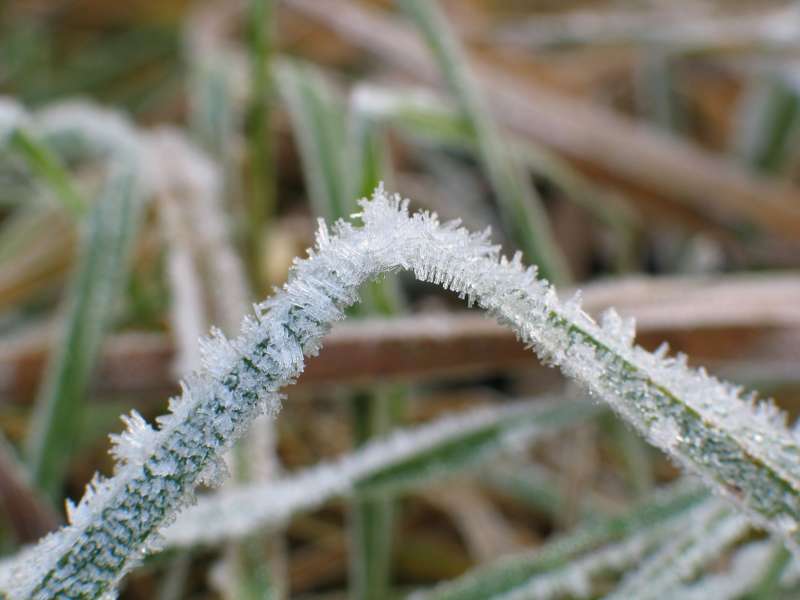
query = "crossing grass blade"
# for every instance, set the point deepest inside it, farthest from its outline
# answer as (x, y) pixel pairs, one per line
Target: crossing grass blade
(520, 208)
(95, 289)
(47, 166)
(510, 573)
(385, 466)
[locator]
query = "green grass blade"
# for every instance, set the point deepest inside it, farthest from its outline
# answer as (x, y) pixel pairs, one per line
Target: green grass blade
(425, 117)
(520, 207)
(404, 460)
(317, 119)
(327, 146)
(261, 164)
(510, 573)
(655, 90)
(47, 166)
(97, 283)
(769, 125)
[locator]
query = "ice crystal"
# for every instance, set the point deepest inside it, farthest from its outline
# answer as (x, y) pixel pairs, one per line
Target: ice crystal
(741, 448)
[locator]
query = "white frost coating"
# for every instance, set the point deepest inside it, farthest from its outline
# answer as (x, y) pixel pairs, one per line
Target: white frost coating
(102, 131)
(742, 449)
(187, 311)
(378, 101)
(708, 531)
(575, 580)
(748, 565)
(237, 512)
(107, 129)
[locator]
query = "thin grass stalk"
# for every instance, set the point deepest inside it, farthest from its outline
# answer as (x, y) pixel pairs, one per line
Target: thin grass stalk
(655, 89)
(110, 229)
(769, 124)
(326, 144)
(575, 579)
(95, 289)
(768, 584)
(520, 207)
(744, 450)
(261, 193)
(317, 119)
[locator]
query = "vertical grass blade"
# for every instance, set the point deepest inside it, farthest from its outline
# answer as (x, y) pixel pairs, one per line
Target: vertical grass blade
(261, 167)
(520, 208)
(327, 148)
(318, 125)
(425, 116)
(769, 125)
(100, 274)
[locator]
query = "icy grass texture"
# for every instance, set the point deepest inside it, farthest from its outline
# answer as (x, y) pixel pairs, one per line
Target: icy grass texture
(703, 537)
(742, 449)
(385, 465)
(747, 566)
(574, 580)
(561, 564)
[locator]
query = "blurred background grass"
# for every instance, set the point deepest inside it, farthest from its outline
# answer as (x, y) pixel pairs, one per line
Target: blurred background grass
(645, 151)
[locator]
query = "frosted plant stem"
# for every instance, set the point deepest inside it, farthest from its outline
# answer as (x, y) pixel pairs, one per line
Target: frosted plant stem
(320, 127)
(742, 449)
(192, 178)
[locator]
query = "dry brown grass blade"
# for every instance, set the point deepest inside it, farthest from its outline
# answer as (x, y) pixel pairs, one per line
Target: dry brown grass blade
(29, 515)
(686, 26)
(716, 320)
(43, 263)
(597, 140)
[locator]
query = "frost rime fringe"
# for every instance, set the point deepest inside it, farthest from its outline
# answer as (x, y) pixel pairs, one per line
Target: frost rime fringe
(741, 448)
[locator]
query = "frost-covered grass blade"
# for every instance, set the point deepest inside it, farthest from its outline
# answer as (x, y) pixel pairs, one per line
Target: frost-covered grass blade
(564, 562)
(389, 465)
(741, 448)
